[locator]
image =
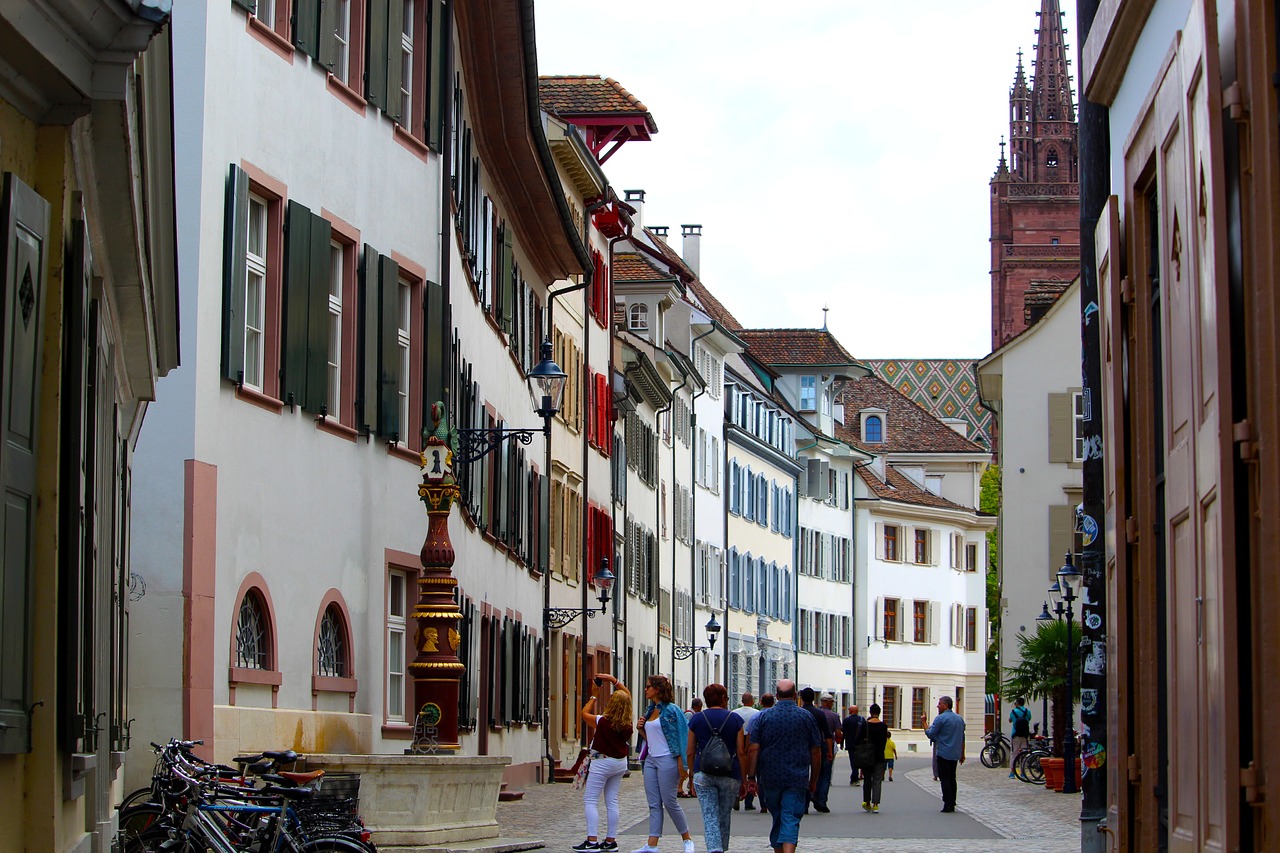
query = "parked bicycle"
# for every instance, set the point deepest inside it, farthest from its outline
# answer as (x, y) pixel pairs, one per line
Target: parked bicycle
(995, 749)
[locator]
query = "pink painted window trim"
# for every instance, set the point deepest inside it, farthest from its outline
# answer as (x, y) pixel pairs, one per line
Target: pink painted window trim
(416, 274)
(333, 598)
(409, 565)
(272, 34)
(355, 57)
(275, 193)
(349, 236)
(255, 583)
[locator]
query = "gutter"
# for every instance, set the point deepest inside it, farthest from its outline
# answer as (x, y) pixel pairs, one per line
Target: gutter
(693, 490)
(658, 496)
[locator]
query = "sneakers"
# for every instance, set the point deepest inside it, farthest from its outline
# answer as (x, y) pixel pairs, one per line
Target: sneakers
(645, 849)
(608, 845)
(875, 808)
(866, 807)
(688, 846)
(586, 845)
(823, 809)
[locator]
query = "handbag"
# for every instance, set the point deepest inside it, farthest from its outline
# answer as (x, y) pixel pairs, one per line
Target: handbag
(582, 769)
(864, 755)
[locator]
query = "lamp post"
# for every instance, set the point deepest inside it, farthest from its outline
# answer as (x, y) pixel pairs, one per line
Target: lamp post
(1069, 580)
(546, 383)
(684, 651)
(558, 617)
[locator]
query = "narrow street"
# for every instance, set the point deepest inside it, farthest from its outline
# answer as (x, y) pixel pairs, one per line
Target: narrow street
(995, 814)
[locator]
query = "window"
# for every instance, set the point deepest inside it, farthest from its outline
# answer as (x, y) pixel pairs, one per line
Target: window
(1077, 414)
(1052, 159)
(397, 583)
(873, 430)
(331, 646)
(255, 293)
(342, 40)
(406, 64)
(921, 547)
(639, 318)
(889, 709)
(971, 629)
(808, 393)
(404, 342)
(891, 542)
(253, 641)
(890, 619)
(919, 697)
(337, 270)
(971, 557)
(920, 621)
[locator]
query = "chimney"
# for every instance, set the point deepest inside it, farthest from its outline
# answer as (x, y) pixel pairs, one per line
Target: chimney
(692, 247)
(659, 231)
(635, 198)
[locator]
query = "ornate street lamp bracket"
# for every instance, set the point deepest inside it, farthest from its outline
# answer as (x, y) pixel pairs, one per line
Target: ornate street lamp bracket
(475, 444)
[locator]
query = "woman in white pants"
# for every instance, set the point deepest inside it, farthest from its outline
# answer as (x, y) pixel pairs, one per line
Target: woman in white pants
(610, 746)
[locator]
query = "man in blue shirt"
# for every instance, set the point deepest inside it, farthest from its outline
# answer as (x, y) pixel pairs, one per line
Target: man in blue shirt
(786, 749)
(947, 734)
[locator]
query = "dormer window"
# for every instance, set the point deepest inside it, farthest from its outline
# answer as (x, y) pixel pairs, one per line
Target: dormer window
(873, 430)
(808, 393)
(638, 319)
(1053, 158)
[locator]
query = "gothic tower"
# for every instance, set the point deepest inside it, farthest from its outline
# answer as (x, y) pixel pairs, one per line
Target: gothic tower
(1035, 193)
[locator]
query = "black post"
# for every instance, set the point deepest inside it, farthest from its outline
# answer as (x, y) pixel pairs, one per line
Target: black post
(1095, 186)
(1069, 746)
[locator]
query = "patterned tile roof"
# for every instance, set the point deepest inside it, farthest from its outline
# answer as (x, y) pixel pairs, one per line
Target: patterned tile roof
(590, 94)
(783, 347)
(944, 386)
(902, 489)
(628, 266)
(908, 427)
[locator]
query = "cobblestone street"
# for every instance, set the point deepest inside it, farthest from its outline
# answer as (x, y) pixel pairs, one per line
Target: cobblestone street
(998, 814)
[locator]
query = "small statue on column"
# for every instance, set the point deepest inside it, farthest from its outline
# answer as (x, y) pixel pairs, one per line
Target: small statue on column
(436, 668)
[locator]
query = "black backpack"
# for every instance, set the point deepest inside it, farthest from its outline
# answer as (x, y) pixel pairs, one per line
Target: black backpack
(1021, 723)
(715, 758)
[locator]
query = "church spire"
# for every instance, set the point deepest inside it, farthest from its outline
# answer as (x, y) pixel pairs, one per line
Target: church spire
(1052, 82)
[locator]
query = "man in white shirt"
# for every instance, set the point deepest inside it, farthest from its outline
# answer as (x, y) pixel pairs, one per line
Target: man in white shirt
(746, 711)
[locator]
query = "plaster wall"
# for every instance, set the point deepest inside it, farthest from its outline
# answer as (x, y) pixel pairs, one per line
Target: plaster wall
(826, 672)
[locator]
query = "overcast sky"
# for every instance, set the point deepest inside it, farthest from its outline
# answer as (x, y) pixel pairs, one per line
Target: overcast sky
(838, 154)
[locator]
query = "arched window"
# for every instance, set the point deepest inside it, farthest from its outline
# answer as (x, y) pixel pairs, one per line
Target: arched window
(874, 430)
(332, 652)
(639, 317)
(253, 633)
(1053, 157)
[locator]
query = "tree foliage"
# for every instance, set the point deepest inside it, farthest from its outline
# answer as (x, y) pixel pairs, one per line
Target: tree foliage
(1042, 672)
(989, 502)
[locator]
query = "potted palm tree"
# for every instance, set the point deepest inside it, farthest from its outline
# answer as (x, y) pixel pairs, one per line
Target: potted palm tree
(1042, 672)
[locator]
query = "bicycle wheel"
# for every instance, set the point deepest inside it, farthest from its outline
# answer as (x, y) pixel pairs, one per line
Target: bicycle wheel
(137, 819)
(338, 844)
(1019, 766)
(138, 797)
(1033, 770)
(990, 755)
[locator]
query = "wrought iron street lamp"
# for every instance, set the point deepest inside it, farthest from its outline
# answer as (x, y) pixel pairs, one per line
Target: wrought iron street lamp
(546, 384)
(558, 617)
(1069, 581)
(684, 651)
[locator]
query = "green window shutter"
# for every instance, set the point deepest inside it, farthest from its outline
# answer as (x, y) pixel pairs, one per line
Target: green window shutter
(388, 349)
(395, 58)
(367, 393)
(316, 398)
(1061, 426)
(375, 75)
(506, 289)
(306, 26)
(437, 345)
(250, 5)
(235, 243)
(327, 53)
(438, 71)
(1062, 525)
(297, 294)
(25, 251)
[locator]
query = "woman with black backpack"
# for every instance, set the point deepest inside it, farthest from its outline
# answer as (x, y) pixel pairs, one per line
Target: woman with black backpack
(717, 748)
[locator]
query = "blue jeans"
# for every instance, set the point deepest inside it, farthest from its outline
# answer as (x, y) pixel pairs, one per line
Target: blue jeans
(786, 807)
(716, 796)
(824, 784)
(661, 781)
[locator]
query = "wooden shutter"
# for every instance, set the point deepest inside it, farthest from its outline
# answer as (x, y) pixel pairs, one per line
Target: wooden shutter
(234, 271)
(1061, 428)
(25, 249)
(367, 392)
(250, 5)
(327, 53)
(436, 348)
(438, 38)
(814, 479)
(1062, 525)
(880, 540)
(306, 25)
(388, 348)
(305, 352)
(935, 623)
(377, 42)
(395, 58)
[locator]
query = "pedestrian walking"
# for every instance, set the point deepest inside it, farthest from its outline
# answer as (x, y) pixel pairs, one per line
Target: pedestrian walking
(875, 733)
(1020, 733)
(746, 710)
(610, 746)
(716, 753)
(947, 735)
(819, 797)
(686, 775)
(786, 755)
(890, 755)
(757, 791)
(666, 740)
(851, 732)
(827, 704)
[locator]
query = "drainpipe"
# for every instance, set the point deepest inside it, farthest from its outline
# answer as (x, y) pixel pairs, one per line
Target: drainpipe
(693, 480)
(613, 504)
(669, 407)
(724, 515)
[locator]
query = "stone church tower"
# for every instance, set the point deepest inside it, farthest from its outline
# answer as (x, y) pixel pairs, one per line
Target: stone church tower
(1035, 193)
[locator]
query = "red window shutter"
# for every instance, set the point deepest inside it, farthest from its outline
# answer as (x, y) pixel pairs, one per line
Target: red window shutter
(591, 541)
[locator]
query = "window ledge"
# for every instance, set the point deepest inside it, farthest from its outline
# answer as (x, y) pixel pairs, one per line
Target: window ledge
(278, 44)
(397, 731)
(347, 95)
(333, 427)
(401, 451)
(415, 145)
(244, 675)
(259, 399)
(332, 684)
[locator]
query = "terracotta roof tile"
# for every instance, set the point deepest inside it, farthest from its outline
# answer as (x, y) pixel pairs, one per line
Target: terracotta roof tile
(946, 387)
(590, 94)
(714, 307)
(902, 489)
(635, 267)
(908, 427)
(796, 346)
